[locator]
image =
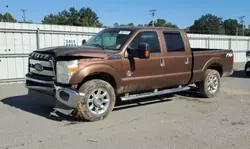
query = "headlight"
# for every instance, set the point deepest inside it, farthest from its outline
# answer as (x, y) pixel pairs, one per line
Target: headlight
(65, 69)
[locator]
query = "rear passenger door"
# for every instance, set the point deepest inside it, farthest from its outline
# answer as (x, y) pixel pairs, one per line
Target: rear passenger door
(178, 58)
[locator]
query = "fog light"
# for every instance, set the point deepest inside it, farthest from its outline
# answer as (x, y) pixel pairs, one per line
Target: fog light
(64, 96)
(74, 86)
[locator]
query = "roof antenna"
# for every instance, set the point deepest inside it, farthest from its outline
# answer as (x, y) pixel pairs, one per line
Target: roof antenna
(153, 15)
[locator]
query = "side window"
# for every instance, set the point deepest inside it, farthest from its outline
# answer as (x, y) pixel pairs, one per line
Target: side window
(174, 42)
(147, 37)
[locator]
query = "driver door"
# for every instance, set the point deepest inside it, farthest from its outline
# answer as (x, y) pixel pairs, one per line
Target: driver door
(144, 74)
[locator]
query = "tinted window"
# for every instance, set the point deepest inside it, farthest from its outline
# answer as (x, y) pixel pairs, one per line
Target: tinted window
(174, 42)
(147, 37)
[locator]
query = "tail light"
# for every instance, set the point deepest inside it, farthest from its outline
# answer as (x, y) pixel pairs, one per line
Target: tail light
(231, 55)
(233, 58)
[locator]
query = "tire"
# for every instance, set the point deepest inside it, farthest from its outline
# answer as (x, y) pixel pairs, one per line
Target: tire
(86, 108)
(203, 86)
(247, 65)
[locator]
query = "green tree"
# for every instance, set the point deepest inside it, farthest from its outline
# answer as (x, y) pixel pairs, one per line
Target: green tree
(89, 18)
(230, 26)
(187, 29)
(116, 24)
(208, 24)
(129, 24)
(1, 17)
(7, 17)
(162, 23)
(83, 17)
(247, 32)
(51, 19)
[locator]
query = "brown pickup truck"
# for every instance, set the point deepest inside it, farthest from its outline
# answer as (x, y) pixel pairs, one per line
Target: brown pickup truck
(124, 63)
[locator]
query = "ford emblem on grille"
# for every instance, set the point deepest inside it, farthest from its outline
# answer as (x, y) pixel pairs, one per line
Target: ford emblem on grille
(38, 67)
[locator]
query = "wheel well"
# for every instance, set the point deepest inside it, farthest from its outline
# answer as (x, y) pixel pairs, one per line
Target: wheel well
(216, 67)
(102, 76)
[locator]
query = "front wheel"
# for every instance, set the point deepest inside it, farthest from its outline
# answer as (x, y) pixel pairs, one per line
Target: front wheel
(98, 102)
(210, 85)
(247, 68)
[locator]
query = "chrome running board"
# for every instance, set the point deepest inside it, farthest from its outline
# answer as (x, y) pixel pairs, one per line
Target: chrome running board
(155, 93)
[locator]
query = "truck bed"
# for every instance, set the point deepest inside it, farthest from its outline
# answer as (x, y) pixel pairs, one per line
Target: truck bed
(202, 56)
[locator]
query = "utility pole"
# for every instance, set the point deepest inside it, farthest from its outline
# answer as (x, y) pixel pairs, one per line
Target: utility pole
(153, 15)
(23, 16)
(242, 22)
(7, 13)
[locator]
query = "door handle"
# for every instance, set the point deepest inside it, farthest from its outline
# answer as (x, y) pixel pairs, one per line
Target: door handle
(187, 61)
(162, 62)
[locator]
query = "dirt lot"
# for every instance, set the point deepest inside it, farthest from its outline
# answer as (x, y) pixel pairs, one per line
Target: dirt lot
(177, 122)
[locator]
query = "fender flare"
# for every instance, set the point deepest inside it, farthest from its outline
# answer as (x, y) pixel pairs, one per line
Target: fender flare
(95, 68)
(215, 60)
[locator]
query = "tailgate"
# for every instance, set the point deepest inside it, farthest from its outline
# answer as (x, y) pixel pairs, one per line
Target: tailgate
(228, 62)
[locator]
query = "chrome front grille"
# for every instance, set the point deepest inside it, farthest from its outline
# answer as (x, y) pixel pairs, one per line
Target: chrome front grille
(40, 64)
(44, 63)
(41, 67)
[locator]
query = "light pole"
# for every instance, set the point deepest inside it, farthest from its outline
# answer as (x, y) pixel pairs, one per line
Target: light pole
(242, 22)
(23, 16)
(153, 14)
(7, 13)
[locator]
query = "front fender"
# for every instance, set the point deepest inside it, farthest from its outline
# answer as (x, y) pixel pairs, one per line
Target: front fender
(95, 68)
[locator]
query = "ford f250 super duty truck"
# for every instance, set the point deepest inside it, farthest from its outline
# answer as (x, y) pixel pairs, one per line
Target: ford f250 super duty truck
(124, 63)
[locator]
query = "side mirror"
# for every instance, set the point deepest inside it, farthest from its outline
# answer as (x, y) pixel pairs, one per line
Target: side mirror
(83, 41)
(141, 52)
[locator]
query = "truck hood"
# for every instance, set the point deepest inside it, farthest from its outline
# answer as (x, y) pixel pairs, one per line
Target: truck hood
(85, 51)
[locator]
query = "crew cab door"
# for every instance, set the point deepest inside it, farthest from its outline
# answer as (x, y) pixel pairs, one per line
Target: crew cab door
(178, 58)
(143, 74)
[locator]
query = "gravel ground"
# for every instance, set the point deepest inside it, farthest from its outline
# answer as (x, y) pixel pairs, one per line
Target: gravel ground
(173, 122)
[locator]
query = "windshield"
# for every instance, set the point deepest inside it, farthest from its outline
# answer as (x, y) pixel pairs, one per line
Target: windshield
(110, 39)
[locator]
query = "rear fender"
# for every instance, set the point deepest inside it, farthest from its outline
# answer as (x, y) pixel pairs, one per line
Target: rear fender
(210, 62)
(200, 74)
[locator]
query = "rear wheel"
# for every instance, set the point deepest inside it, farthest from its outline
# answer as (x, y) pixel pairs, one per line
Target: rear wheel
(210, 85)
(247, 68)
(98, 102)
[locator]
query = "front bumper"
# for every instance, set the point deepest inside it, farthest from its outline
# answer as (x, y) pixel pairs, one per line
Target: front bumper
(66, 98)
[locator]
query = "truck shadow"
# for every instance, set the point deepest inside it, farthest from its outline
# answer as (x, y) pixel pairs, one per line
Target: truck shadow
(31, 105)
(239, 74)
(43, 109)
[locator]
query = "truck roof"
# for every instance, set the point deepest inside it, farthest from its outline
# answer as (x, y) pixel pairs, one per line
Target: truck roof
(147, 28)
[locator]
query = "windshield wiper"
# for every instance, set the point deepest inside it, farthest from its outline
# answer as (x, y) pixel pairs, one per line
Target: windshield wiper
(98, 45)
